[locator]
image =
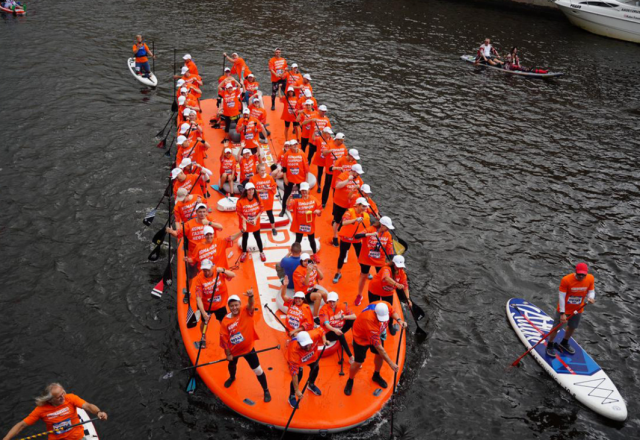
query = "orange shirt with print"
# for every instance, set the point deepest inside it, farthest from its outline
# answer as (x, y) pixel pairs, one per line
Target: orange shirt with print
(231, 105)
(347, 232)
(304, 87)
(307, 130)
(248, 168)
(575, 292)
(335, 317)
(194, 151)
(194, 231)
(303, 217)
(332, 155)
(237, 333)
(341, 195)
(300, 106)
(192, 67)
(203, 287)
(298, 316)
(195, 181)
(373, 207)
(299, 277)
(378, 285)
(248, 211)
(251, 87)
(371, 254)
(215, 251)
(323, 144)
(185, 210)
(143, 59)
(277, 65)
(228, 164)
(318, 136)
(61, 416)
(297, 356)
(296, 165)
(289, 108)
(259, 113)
(250, 130)
(346, 162)
(293, 79)
(367, 329)
(238, 65)
(266, 189)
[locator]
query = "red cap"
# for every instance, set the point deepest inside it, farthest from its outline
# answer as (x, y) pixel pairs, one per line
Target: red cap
(582, 268)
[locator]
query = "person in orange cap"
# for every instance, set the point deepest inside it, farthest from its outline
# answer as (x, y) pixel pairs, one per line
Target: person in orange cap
(576, 290)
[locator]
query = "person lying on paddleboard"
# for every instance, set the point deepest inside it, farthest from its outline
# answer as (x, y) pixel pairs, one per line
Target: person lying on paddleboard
(576, 290)
(141, 52)
(58, 410)
(488, 54)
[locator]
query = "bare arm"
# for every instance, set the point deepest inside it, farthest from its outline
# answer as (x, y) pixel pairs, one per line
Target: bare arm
(94, 410)
(17, 428)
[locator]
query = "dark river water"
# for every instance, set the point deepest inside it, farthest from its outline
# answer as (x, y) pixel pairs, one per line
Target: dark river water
(500, 184)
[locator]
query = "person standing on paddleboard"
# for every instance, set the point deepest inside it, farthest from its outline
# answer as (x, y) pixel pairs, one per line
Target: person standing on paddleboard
(237, 337)
(369, 332)
(306, 279)
(576, 289)
(210, 289)
(300, 352)
(58, 410)
(277, 67)
(354, 220)
(141, 51)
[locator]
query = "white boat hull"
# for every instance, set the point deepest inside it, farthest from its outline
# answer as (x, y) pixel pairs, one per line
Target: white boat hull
(152, 81)
(625, 25)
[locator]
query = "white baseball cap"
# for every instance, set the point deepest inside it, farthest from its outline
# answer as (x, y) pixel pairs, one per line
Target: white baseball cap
(307, 76)
(307, 93)
(207, 230)
(183, 90)
(234, 298)
(327, 130)
(365, 189)
(180, 82)
(304, 256)
(227, 150)
(181, 139)
(187, 111)
(357, 168)
(185, 163)
(303, 338)
(304, 186)
(362, 201)
(206, 264)
(186, 57)
(287, 142)
(249, 186)
(184, 70)
(181, 194)
(299, 295)
(256, 99)
(339, 136)
(175, 173)
(386, 221)
(201, 205)
(354, 153)
(308, 102)
(332, 296)
(229, 86)
(184, 127)
(226, 69)
(398, 260)
(291, 89)
(294, 65)
(322, 108)
(251, 74)
(293, 141)
(382, 312)
(182, 100)
(246, 111)
(246, 150)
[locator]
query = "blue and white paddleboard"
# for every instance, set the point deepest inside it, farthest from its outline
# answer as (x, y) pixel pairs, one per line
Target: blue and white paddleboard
(578, 373)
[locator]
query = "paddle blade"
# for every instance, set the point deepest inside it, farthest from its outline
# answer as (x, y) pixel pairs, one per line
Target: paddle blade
(148, 219)
(155, 253)
(191, 386)
(167, 277)
(418, 313)
(158, 289)
(161, 143)
(174, 106)
(398, 248)
(160, 236)
(168, 153)
(192, 320)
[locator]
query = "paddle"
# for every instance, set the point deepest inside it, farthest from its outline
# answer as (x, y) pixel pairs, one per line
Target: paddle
(158, 239)
(313, 368)
(174, 106)
(191, 385)
(148, 219)
(162, 143)
(278, 319)
(153, 58)
(560, 324)
(161, 132)
(170, 374)
(399, 245)
(395, 379)
(185, 250)
(57, 431)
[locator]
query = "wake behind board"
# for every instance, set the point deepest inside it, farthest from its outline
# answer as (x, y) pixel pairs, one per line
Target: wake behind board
(579, 374)
(152, 81)
(90, 432)
(472, 59)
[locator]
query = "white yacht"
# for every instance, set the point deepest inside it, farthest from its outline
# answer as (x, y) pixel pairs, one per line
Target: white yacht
(611, 18)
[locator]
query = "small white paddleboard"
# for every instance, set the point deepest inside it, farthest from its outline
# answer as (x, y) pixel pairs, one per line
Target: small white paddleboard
(90, 432)
(152, 81)
(577, 373)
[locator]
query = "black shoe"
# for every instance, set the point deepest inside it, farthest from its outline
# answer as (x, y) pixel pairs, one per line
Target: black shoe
(335, 242)
(229, 381)
(349, 387)
(336, 278)
(379, 380)
(267, 396)
(283, 213)
(273, 108)
(551, 349)
(564, 346)
(292, 401)
(316, 320)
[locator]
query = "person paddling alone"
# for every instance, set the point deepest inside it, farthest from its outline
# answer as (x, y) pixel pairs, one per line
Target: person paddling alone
(237, 337)
(141, 52)
(58, 410)
(576, 289)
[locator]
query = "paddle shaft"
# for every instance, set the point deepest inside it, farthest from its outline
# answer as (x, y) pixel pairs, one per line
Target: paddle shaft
(170, 374)
(554, 329)
(56, 431)
(395, 379)
(153, 58)
(174, 106)
(278, 319)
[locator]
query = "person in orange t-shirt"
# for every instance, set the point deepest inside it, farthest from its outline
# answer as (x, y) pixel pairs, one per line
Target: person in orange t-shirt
(227, 169)
(210, 290)
(248, 166)
(304, 211)
(188, 62)
(334, 151)
(212, 248)
(306, 279)
(318, 123)
(141, 50)
(289, 103)
(251, 88)
(299, 316)
(277, 67)
(249, 209)
(369, 332)
(390, 278)
(305, 119)
(58, 410)
(292, 77)
(231, 105)
(237, 338)
(305, 86)
(193, 183)
(295, 169)
(347, 183)
(239, 66)
(250, 129)
(302, 350)
(377, 246)
(337, 319)
(185, 207)
(266, 188)
(257, 111)
(575, 292)
(354, 220)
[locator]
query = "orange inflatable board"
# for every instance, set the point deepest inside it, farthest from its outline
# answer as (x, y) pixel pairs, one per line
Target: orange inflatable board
(331, 412)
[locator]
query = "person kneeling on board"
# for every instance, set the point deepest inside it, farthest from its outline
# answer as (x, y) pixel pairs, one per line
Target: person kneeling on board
(337, 319)
(58, 410)
(141, 50)
(304, 211)
(204, 287)
(300, 352)
(306, 278)
(576, 289)
(299, 317)
(237, 337)
(369, 332)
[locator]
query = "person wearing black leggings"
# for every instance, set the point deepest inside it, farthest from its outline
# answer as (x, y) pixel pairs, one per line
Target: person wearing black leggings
(249, 209)
(304, 211)
(337, 319)
(354, 220)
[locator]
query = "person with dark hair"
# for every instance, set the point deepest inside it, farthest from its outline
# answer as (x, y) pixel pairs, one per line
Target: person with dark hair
(337, 319)
(249, 209)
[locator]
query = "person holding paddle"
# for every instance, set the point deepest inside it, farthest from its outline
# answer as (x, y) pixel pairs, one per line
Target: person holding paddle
(576, 290)
(277, 67)
(390, 278)
(488, 54)
(237, 338)
(290, 101)
(354, 220)
(210, 287)
(347, 182)
(57, 410)
(302, 350)
(377, 245)
(141, 51)
(188, 62)
(305, 119)
(239, 66)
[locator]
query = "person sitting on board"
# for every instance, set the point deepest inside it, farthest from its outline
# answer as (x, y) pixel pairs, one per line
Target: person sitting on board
(239, 66)
(512, 62)
(188, 62)
(488, 54)
(299, 316)
(250, 128)
(212, 248)
(211, 300)
(377, 245)
(277, 67)
(184, 208)
(231, 105)
(369, 331)
(318, 123)
(266, 188)
(249, 209)
(306, 128)
(251, 88)
(228, 164)
(289, 102)
(295, 169)
(332, 153)
(337, 319)
(285, 269)
(304, 211)
(248, 166)
(323, 144)
(58, 410)
(576, 290)
(347, 182)
(141, 52)
(303, 350)
(238, 336)
(258, 111)
(354, 220)
(306, 278)
(390, 278)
